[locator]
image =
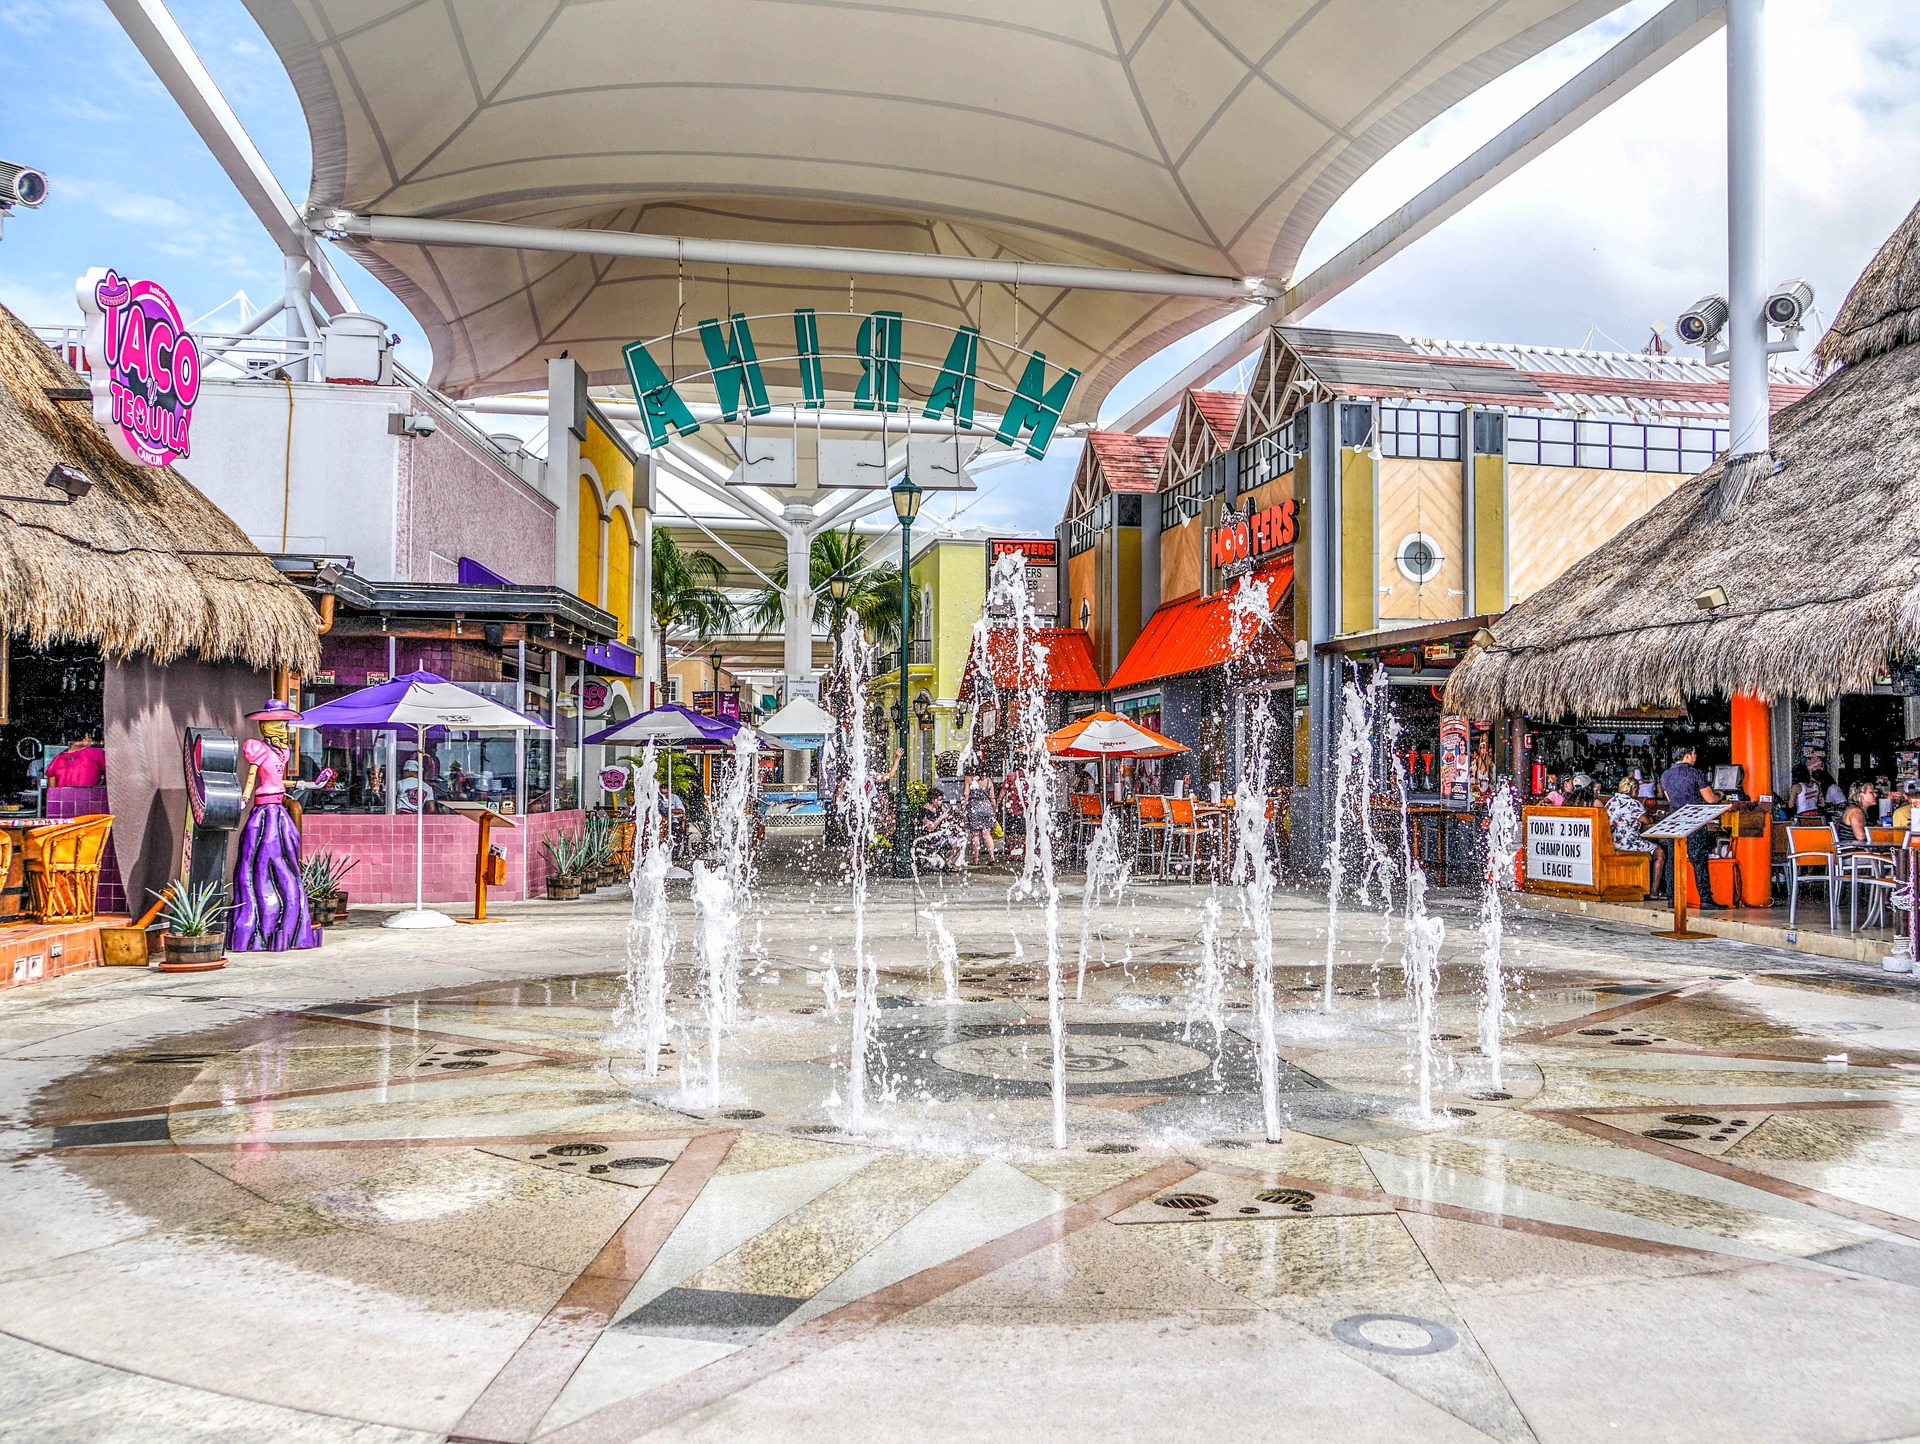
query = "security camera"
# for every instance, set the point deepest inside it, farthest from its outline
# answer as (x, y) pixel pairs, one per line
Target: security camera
(1705, 319)
(417, 423)
(21, 185)
(1788, 305)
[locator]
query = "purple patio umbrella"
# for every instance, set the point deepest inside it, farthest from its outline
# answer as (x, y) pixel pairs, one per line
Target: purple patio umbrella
(418, 700)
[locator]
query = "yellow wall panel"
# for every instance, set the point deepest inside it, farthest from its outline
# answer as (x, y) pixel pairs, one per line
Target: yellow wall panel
(1180, 560)
(1489, 581)
(589, 589)
(1421, 496)
(620, 571)
(1560, 513)
(1083, 584)
(1359, 601)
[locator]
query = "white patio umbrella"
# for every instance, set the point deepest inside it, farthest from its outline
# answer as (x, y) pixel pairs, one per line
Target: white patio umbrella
(418, 700)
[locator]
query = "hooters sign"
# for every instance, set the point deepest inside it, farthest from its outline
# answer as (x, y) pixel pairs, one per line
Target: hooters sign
(1251, 536)
(145, 368)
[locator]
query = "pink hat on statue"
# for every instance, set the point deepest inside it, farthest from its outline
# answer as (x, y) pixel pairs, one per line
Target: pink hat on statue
(274, 711)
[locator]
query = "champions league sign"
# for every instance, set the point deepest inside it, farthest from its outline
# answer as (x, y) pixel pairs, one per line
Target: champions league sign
(145, 368)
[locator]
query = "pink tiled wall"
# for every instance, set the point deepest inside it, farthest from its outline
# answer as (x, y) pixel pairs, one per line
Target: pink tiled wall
(65, 802)
(383, 847)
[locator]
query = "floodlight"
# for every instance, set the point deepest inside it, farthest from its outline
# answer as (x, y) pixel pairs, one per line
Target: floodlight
(1788, 305)
(1701, 322)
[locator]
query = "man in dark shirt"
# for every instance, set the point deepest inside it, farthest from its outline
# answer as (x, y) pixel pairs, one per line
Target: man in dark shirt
(1685, 785)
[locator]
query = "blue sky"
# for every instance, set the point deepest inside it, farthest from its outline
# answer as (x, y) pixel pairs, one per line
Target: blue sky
(1609, 233)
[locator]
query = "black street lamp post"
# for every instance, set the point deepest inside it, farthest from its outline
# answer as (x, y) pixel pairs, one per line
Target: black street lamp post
(715, 659)
(906, 506)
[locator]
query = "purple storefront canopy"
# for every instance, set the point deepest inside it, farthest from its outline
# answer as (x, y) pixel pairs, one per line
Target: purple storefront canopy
(417, 699)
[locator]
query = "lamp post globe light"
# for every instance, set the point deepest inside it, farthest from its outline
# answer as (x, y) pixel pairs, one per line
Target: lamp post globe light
(906, 506)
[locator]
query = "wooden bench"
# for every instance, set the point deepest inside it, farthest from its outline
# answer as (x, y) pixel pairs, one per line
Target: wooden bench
(1549, 845)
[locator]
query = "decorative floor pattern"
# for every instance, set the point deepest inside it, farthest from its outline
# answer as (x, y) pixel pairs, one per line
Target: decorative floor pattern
(285, 1205)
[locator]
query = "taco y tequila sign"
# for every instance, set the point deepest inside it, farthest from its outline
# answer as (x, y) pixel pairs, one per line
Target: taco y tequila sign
(145, 367)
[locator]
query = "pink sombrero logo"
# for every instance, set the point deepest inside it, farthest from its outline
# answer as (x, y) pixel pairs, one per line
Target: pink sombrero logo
(145, 367)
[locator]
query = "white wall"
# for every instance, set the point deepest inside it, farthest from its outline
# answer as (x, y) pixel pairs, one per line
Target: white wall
(342, 496)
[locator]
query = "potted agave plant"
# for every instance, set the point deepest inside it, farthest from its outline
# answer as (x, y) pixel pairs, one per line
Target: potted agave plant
(563, 850)
(320, 877)
(195, 923)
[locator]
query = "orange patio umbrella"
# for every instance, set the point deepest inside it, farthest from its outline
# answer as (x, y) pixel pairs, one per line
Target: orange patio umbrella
(1106, 734)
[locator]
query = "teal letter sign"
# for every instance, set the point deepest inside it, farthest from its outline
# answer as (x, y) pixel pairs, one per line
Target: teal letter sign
(954, 390)
(806, 347)
(879, 348)
(735, 366)
(1035, 409)
(660, 405)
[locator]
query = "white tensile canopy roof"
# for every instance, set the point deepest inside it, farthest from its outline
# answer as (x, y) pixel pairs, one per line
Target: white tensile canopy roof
(1200, 136)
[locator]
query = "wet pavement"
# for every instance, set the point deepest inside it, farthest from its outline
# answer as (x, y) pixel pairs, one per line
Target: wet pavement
(404, 1188)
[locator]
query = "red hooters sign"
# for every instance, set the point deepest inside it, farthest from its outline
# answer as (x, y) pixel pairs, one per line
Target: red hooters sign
(1245, 538)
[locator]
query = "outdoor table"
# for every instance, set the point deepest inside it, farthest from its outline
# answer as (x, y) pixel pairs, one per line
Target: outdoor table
(1848, 854)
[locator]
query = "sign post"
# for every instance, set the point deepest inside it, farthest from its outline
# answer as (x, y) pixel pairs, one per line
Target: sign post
(1678, 825)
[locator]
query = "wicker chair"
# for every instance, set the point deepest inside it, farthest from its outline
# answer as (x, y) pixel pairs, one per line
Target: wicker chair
(63, 868)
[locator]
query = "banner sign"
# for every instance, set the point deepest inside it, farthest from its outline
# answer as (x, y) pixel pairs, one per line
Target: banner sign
(1454, 763)
(737, 362)
(145, 367)
(1560, 850)
(1043, 570)
(1251, 536)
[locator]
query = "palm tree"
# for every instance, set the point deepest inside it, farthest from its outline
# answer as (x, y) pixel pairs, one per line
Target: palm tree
(686, 593)
(873, 598)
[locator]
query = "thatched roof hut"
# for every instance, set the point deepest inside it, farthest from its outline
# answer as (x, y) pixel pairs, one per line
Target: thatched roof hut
(1819, 564)
(126, 567)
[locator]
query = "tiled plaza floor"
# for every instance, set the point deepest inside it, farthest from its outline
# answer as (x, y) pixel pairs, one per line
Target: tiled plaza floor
(405, 1188)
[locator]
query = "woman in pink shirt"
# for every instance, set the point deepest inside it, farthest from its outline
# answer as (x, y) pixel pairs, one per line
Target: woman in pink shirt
(83, 764)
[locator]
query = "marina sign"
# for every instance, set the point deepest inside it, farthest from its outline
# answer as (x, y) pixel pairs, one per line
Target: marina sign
(739, 352)
(145, 367)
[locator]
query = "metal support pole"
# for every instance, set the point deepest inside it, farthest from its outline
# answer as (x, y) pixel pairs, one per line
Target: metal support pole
(797, 658)
(520, 737)
(299, 326)
(1747, 227)
(902, 838)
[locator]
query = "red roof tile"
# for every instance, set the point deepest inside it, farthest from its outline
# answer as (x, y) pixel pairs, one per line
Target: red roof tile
(1221, 410)
(1196, 634)
(1127, 462)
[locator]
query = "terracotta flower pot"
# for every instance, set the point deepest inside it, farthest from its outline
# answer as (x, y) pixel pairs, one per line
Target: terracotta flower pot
(194, 953)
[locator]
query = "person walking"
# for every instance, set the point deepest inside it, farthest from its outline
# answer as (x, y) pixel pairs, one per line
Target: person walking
(980, 816)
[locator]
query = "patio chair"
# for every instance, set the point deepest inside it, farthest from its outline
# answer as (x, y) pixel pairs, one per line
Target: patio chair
(1812, 857)
(1153, 832)
(63, 868)
(1188, 837)
(1086, 821)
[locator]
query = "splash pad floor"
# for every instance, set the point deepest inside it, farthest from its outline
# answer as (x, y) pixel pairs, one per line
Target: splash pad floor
(401, 1188)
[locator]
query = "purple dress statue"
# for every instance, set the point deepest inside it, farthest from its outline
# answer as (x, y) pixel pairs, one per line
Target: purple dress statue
(269, 902)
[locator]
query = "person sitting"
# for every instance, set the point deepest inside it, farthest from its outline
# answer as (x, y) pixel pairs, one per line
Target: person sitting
(413, 795)
(1580, 791)
(942, 840)
(1803, 797)
(82, 764)
(1863, 812)
(1903, 809)
(1625, 815)
(1831, 797)
(1553, 796)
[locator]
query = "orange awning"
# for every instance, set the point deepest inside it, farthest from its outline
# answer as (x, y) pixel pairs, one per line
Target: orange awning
(1069, 654)
(1197, 634)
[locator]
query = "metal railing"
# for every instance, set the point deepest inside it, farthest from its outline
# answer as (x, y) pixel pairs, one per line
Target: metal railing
(887, 660)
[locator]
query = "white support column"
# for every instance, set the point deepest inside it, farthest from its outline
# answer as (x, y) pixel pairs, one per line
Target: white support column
(797, 661)
(1747, 227)
(298, 302)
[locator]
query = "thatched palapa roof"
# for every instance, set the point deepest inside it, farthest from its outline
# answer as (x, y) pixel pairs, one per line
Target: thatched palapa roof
(1820, 562)
(111, 569)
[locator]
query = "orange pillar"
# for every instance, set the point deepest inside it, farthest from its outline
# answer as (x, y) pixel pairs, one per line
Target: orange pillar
(1753, 752)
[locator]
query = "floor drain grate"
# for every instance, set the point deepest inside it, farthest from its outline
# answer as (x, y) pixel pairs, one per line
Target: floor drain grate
(1598, 1032)
(1228, 1143)
(457, 1063)
(577, 1150)
(817, 1129)
(741, 1114)
(1112, 1148)
(1490, 1096)
(1286, 1197)
(175, 1058)
(476, 1052)
(1670, 1135)
(1690, 1120)
(1457, 1112)
(1186, 1200)
(640, 1163)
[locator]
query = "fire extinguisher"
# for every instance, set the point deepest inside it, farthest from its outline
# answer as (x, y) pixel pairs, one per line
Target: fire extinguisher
(1539, 779)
